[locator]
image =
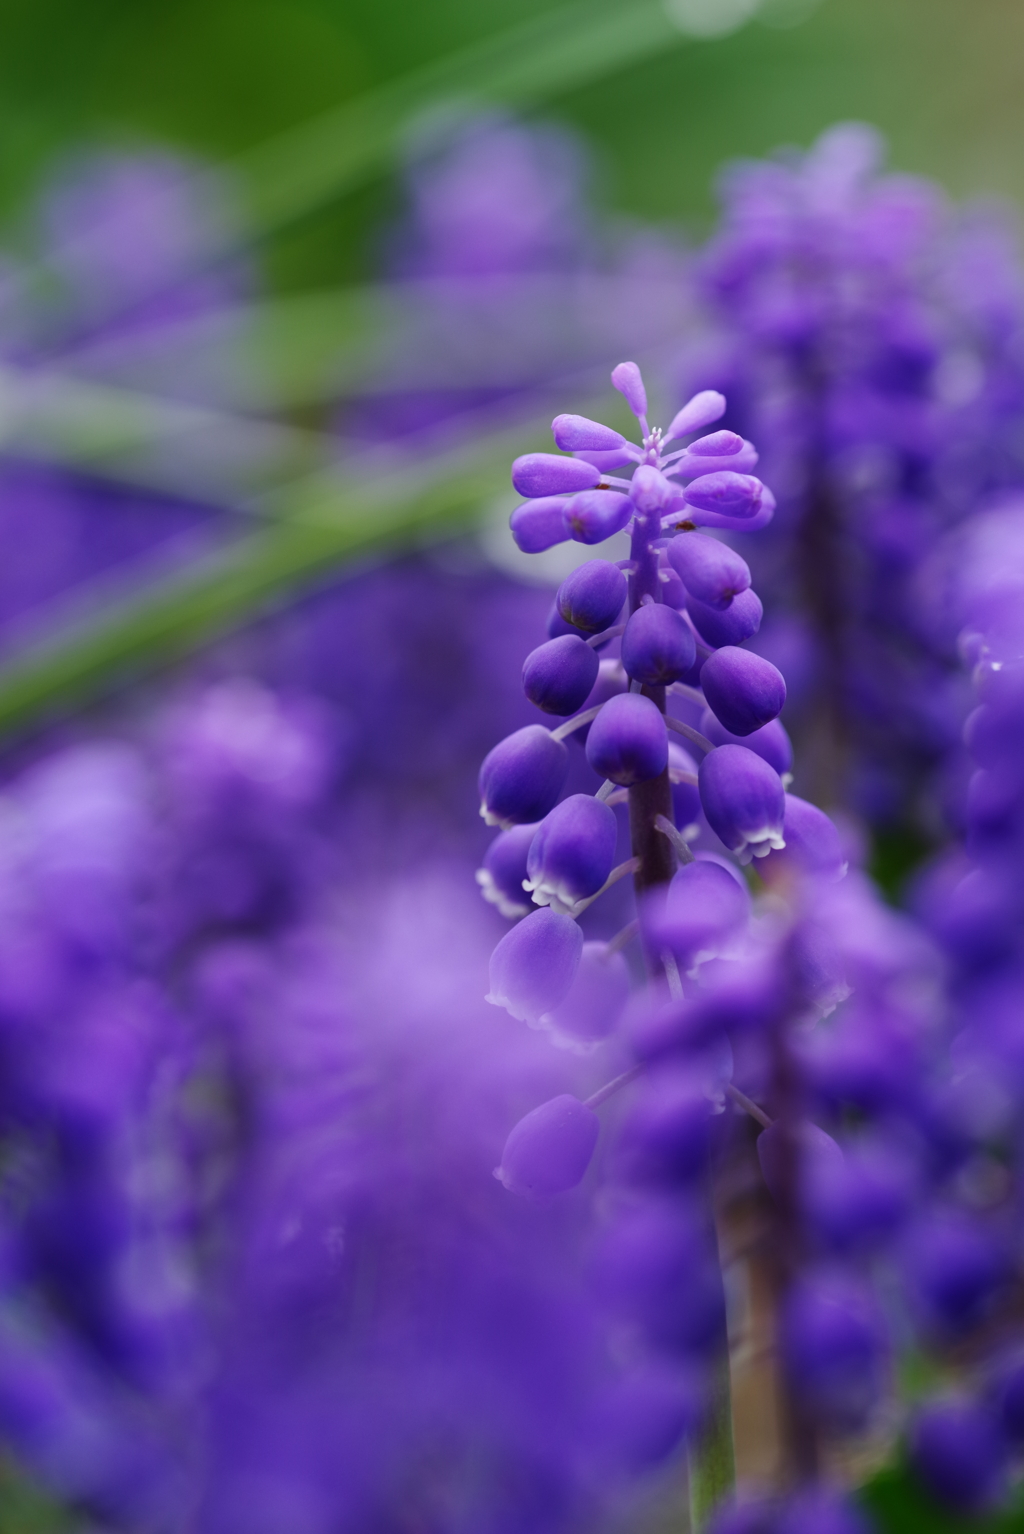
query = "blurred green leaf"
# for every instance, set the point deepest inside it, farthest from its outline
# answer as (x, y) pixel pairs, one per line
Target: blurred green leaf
(898, 1504)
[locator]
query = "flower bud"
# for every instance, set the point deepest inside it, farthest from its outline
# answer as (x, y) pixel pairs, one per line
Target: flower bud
(649, 490)
(673, 592)
(956, 1266)
(539, 525)
(834, 1347)
(743, 800)
(694, 462)
(812, 842)
(596, 999)
(718, 445)
(572, 853)
(711, 571)
(770, 741)
(626, 378)
(724, 492)
(504, 870)
(958, 1451)
(575, 433)
(737, 622)
(534, 965)
(657, 647)
(558, 676)
(743, 690)
(522, 777)
(556, 625)
(591, 597)
(611, 681)
(701, 410)
(628, 742)
(664, 1140)
(698, 915)
(546, 474)
(655, 1268)
(549, 1150)
(597, 514)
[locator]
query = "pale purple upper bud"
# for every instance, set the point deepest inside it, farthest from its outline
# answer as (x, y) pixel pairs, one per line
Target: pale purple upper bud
(626, 378)
(522, 777)
(743, 690)
(743, 800)
(539, 525)
(812, 846)
(591, 597)
(596, 999)
(549, 1150)
(628, 742)
(657, 646)
(608, 462)
(711, 571)
(701, 410)
(724, 491)
(650, 490)
(698, 916)
(575, 433)
(504, 868)
(770, 741)
(720, 444)
(558, 676)
(572, 853)
(534, 965)
(597, 514)
(731, 625)
(544, 474)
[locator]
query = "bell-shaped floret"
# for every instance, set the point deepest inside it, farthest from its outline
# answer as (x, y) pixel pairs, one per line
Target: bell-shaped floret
(657, 647)
(596, 999)
(558, 676)
(534, 965)
(546, 474)
(698, 915)
(958, 1450)
(628, 742)
(664, 1139)
(956, 1267)
(744, 691)
(770, 741)
(711, 571)
(649, 490)
(575, 433)
(522, 777)
(743, 800)
(732, 625)
(800, 1151)
(701, 410)
(627, 379)
(539, 525)
(724, 492)
(591, 597)
(572, 853)
(549, 1150)
(655, 1268)
(812, 843)
(597, 514)
(504, 869)
(835, 1348)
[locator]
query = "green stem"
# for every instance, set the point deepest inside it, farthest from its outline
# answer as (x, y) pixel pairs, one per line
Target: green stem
(712, 1461)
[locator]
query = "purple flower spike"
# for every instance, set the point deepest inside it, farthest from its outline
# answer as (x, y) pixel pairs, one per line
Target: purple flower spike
(591, 597)
(958, 1451)
(596, 1000)
(770, 741)
(504, 870)
(699, 915)
(743, 800)
(549, 1150)
(628, 742)
(657, 647)
(738, 622)
(728, 494)
(572, 853)
(545, 474)
(812, 842)
(701, 410)
(534, 965)
(711, 571)
(575, 433)
(558, 676)
(626, 378)
(539, 525)
(597, 514)
(522, 777)
(744, 691)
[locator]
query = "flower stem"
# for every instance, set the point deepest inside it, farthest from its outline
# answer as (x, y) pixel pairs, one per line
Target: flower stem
(712, 1464)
